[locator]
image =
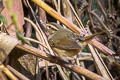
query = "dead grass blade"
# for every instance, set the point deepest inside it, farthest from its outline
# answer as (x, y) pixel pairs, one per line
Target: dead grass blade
(100, 64)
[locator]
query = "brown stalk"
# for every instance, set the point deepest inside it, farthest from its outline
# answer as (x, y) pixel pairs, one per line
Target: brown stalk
(7, 72)
(18, 74)
(75, 68)
(59, 17)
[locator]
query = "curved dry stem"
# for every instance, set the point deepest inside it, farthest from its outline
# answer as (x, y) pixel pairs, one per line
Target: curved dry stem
(36, 41)
(33, 24)
(53, 59)
(35, 27)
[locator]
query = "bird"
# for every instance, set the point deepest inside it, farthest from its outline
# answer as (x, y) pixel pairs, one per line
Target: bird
(66, 43)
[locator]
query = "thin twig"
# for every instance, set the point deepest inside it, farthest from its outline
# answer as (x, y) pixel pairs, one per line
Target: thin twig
(83, 7)
(47, 71)
(102, 9)
(35, 27)
(28, 28)
(89, 10)
(77, 17)
(55, 2)
(22, 77)
(98, 18)
(33, 24)
(58, 9)
(36, 41)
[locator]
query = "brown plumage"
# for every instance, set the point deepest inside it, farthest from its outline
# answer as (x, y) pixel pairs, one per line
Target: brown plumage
(66, 43)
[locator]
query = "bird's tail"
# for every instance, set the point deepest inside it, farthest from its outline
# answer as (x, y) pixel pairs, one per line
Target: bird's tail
(87, 39)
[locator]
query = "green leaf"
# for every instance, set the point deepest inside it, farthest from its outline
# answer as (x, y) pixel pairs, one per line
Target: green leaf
(18, 33)
(21, 37)
(2, 19)
(14, 19)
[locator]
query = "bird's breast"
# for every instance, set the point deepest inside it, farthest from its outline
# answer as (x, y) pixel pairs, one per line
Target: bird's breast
(66, 53)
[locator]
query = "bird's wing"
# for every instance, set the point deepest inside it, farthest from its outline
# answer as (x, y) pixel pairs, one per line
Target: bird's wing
(63, 41)
(68, 43)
